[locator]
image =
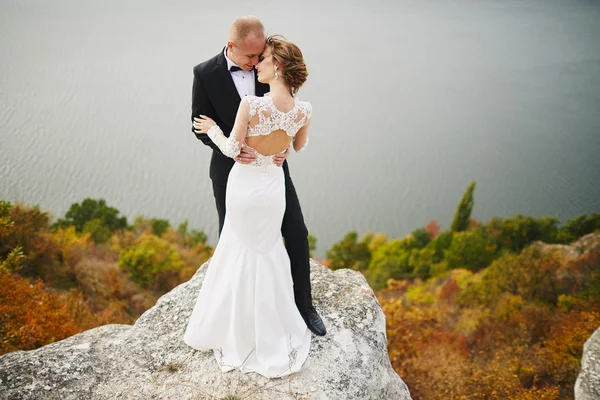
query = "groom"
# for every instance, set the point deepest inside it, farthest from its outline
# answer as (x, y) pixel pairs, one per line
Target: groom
(219, 85)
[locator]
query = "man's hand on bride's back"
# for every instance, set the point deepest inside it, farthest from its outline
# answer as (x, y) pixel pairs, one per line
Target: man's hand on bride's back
(280, 157)
(247, 155)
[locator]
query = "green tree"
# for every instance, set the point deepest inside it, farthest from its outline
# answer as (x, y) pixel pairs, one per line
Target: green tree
(440, 244)
(419, 239)
(197, 237)
(532, 274)
(182, 229)
(518, 232)
(577, 227)
(312, 244)
(350, 253)
(6, 223)
(90, 209)
(390, 260)
(13, 260)
(463, 211)
(472, 250)
(191, 238)
(98, 231)
(421, 261)
(377, 241)
(160, 226)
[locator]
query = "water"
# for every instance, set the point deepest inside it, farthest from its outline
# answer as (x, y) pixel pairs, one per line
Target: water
(412, 101)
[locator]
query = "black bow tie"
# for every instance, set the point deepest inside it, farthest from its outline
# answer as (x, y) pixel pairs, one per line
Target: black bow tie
(235, 68)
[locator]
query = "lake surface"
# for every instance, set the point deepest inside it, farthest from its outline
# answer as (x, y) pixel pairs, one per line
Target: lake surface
(412, 101)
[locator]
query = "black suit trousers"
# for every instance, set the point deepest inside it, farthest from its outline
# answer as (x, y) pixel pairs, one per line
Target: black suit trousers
(293, 229)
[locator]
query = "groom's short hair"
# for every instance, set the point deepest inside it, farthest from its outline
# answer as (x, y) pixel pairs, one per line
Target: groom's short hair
(244, 27)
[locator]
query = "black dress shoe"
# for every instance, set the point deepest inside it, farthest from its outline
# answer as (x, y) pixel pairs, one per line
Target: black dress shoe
(314, 322)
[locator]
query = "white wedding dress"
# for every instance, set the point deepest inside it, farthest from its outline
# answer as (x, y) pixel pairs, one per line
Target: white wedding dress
(245, 311)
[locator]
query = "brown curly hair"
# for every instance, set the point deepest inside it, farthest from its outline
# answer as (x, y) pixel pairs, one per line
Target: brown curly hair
(289, 58)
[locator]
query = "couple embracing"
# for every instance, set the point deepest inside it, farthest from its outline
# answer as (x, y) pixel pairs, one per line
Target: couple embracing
(254, 309)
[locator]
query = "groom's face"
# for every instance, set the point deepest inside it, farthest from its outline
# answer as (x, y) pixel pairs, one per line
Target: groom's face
(245, 52)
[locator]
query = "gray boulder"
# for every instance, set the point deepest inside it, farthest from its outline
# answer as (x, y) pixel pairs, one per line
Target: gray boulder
(149, 360)
(587, 386)
(584, 245)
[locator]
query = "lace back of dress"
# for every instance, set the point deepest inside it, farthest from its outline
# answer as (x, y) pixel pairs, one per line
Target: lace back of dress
(265, 118)
(270, 123)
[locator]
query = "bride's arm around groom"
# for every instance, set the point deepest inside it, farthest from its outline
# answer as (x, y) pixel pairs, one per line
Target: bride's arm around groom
(232, 145)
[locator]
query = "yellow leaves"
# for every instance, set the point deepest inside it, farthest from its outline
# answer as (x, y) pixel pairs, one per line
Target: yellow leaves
(469, 319)
(170, 236)
(463, 277)
(150, 258)
(507, 305)
(377, 241)
(13, 260)
(70, 245)
(566, 302)
(122, 240)
(420, 295)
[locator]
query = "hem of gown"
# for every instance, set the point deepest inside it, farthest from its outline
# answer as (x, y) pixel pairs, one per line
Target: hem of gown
(302, 356)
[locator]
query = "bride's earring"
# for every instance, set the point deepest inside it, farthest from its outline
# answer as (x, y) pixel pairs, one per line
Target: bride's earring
(276, 75)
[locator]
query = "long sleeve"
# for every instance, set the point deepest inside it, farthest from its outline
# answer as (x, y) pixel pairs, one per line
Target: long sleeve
(303, 146)
(201, 106)
(301, 137)
(231, 146)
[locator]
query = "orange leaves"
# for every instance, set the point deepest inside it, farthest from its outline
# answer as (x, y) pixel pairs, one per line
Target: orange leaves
(517, 332)
(563, 346)
(30, 317)
(433, 228)
(449, 291)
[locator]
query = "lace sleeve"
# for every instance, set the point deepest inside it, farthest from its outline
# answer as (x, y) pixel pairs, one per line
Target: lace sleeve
(303, 146)
(231, 146)
(301, 137)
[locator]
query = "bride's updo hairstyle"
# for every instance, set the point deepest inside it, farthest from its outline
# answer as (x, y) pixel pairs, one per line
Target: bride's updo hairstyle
(289, 58)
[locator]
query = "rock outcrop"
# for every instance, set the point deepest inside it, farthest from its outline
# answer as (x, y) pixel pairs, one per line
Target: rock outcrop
(584, 245)
(149, 360)
(587, 386)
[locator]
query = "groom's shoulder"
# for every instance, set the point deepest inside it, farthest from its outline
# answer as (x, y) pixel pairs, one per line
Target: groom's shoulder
(207, 67)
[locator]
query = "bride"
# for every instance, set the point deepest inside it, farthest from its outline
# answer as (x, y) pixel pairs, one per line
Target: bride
(245, 311)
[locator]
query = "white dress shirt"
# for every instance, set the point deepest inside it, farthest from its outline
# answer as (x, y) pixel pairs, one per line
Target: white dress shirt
(243, 80)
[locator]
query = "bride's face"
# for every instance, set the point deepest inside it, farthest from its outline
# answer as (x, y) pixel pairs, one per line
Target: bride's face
(265, 67)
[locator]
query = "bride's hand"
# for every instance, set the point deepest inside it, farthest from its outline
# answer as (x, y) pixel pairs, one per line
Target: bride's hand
(203, 124)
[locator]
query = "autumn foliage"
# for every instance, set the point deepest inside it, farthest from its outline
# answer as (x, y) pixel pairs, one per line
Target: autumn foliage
(480, 312)
(31, 317)
(57, 280)
(513, 331)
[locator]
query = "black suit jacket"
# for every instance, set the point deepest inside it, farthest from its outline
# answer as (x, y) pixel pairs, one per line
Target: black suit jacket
(214, 95)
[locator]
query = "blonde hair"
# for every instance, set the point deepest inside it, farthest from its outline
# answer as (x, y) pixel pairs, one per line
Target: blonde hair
(244, 27)
(289, 58)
